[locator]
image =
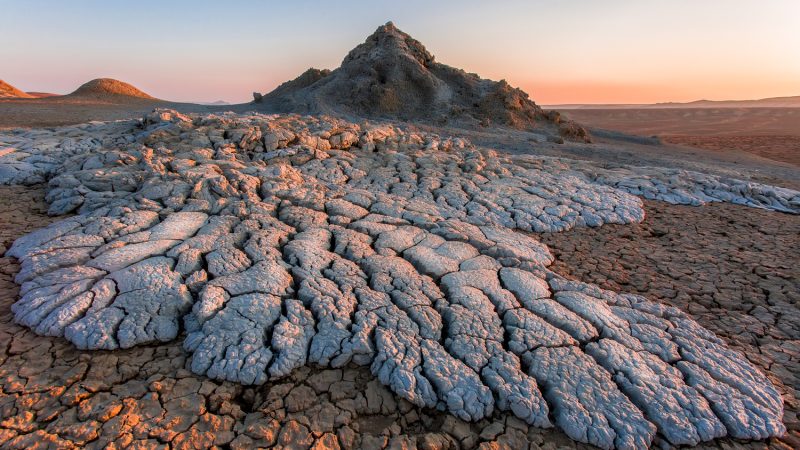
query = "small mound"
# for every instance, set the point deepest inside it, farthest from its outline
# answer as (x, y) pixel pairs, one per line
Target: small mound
(108, 87)
(9, 91)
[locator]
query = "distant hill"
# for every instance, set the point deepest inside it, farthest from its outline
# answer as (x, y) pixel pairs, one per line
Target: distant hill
(216, 103)
(108, 89)
(9, 91)
(773, 102)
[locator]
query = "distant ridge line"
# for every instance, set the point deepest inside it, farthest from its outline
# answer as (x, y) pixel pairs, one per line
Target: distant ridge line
(771, 102)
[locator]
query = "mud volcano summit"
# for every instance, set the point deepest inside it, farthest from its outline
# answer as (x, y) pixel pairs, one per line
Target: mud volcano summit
(392, 75)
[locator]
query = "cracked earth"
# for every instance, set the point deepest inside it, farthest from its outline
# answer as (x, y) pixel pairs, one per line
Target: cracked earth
(259, 280)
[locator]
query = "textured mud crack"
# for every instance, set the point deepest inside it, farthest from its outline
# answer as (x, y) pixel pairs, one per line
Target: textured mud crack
(279, 241)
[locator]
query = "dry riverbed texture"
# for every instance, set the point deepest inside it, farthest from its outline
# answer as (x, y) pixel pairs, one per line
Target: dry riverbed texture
(253, 280)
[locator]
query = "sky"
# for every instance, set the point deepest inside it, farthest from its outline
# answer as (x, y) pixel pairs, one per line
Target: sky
(559, 51)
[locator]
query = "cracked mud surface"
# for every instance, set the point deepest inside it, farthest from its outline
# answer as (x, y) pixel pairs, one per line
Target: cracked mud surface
(267, 245)
(56, 396)
(735, 270)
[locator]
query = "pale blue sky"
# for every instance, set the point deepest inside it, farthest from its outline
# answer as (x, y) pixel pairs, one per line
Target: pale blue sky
(558, 51)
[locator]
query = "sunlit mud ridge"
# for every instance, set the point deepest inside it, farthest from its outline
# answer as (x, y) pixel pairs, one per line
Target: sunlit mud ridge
(279, 241)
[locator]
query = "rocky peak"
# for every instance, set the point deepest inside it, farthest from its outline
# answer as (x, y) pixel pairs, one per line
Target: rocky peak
(389, 42)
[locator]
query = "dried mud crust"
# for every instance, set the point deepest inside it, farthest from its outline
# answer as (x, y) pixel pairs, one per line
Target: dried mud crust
(55, 396)
(735, 270)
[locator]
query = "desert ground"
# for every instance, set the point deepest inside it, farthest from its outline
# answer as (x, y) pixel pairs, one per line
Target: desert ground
(59, 111)
(367, 275)
(54, 112)
(785, 148)
(694, 121)
(772, 133)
